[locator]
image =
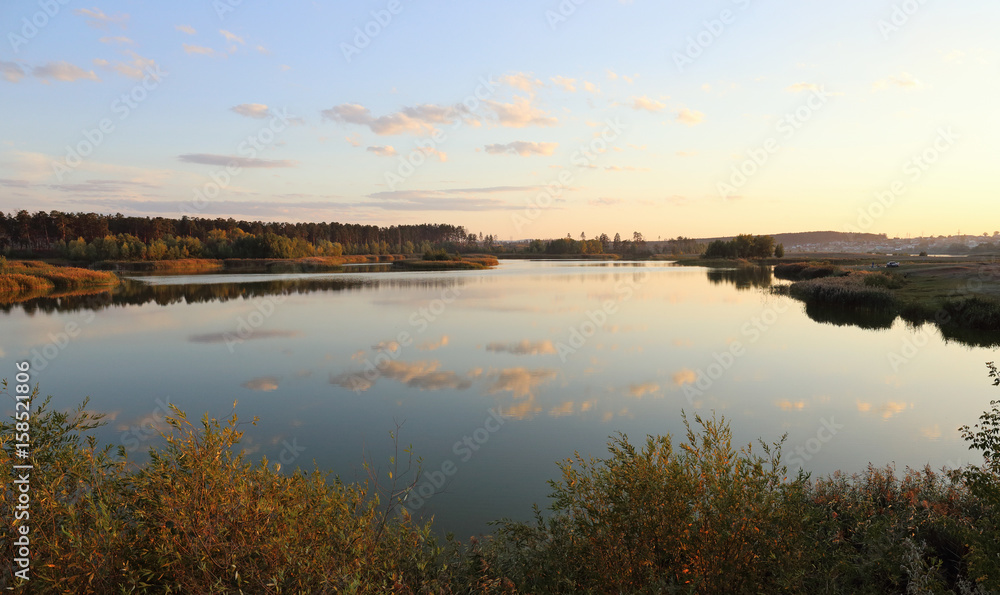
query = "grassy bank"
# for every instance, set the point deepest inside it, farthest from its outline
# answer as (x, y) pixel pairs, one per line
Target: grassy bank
(691, 516)
(32, 277)
(957, 297)
(462, 263)
(523, 256)
(309, 264)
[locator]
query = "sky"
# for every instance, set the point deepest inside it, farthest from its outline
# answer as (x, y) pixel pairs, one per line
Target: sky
(519, 119)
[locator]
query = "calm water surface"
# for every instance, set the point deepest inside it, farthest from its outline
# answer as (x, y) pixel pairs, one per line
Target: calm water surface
(564, 354)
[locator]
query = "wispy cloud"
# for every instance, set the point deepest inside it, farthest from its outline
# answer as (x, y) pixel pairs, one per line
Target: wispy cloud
(382, 151)
(520, 113)
(419, 120)
(231, 37)
(523, 348)
(64, 72)
(186, 29)
(11, 72)
(458, 199)
(685, 376)
(252, 110)
(137, 68)
(690, 117)
(901, 81)
(433, 345)
(98, 20)
(522, 81)
(524, 149)
(567, 84)
(800, 87)
(117, 39)
(198, 50)
(224, 160)
(264, 384)
(640, 390)
(647, 104)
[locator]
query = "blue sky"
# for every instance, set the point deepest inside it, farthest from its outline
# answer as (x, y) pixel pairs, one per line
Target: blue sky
(520, 119)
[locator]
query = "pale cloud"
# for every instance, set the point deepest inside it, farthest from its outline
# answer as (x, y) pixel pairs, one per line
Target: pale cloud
(390, 346)
(524, 149)
(892, 408)
(186, 29)
(800, 87)
(520, 114)
(467, 199)
(523, 348)
(931, 432)
(786, 405)
(433, 345)
(886, 410)
(690, 117)
(226, 160)
(198, 50)
(432, 152)
(419, 375)
(265, 384)
(520, 382)
(640, 390)
(563, 410)
(524, 409)
(647, 104)
(118, 39)
(257, 335)
(590, 87)
(605, 202)
(612, 75)
(567, 84)
(98, 20)
(251, 110)
(11, 72)
(137, 69)
(231, 37)
(685, 376)
(64, 72)
(522, 81)
(354, 140)
(901, 81)
(420, 120)
(625, 168)
(263, 50)
(382, 151)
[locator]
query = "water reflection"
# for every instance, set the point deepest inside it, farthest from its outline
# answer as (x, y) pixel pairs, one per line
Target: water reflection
(349, 356)
(866, 318)
(136, 293)
(744, 278)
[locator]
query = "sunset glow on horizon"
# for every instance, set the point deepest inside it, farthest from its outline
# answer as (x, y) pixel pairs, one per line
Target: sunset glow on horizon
(518, 119)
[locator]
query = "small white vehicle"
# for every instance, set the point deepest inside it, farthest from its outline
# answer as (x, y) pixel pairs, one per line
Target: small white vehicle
(892, 264)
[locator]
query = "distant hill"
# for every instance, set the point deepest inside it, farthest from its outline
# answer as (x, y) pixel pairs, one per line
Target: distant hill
(814, 237)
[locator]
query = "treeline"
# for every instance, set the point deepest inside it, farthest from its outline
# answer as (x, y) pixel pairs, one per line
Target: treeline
(219, 244)
(745, 246)
(604, 244)
(42, 231)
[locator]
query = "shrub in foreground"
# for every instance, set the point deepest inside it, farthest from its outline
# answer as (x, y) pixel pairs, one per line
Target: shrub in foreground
(695, 517)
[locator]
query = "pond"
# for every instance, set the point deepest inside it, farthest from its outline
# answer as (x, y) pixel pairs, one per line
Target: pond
(494, 376)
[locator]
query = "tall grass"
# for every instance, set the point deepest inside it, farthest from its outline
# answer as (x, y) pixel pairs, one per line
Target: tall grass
(17, 277)
(799, 271)
(698, 516)
(849, 290)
